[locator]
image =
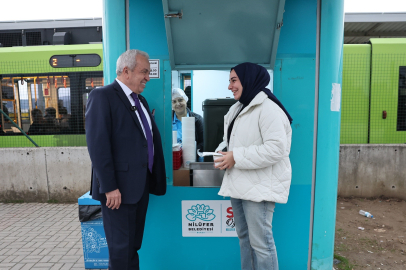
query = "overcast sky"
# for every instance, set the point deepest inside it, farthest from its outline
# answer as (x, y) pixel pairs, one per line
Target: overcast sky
(23, 10)
(375, 5)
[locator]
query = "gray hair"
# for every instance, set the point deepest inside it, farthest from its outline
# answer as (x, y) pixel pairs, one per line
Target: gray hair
(128, 59)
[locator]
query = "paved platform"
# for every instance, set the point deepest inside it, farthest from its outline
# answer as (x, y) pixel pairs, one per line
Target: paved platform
(40, 236)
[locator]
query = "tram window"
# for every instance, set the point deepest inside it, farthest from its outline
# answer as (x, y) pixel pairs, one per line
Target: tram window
(45, 105)
(41, 116)
(37, 96)
(24, 106)
(64, 100)
(8, 108)
(7, 89)
(92, 83)
(76, 60)
(8, 105)
(64, 107)
(33, 101)
(401, 121)
(4, 107)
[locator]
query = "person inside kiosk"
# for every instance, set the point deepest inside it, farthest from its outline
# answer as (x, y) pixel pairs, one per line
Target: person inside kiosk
(179, 108)
(257, 135)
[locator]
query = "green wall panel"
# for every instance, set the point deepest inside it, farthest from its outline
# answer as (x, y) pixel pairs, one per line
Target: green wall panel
(355, 94)
(387, 56)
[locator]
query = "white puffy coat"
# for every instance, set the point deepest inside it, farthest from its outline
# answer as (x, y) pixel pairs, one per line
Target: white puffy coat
(260, 141)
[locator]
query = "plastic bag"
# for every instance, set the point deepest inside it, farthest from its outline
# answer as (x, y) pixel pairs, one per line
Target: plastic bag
(89, 212)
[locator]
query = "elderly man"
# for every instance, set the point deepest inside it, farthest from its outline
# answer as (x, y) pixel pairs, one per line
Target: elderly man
(127, 157)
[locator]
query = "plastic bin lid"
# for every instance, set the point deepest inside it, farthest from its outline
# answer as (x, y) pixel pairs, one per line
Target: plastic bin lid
(86, 199)
(219, 102)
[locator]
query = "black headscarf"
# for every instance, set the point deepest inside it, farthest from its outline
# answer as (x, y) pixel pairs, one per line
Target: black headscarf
(254, 79)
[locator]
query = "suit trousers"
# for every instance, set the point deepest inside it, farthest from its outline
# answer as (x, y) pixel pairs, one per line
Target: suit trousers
(124, 229)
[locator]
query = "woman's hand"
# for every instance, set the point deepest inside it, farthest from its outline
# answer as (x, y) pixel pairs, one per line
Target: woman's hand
(226, 161)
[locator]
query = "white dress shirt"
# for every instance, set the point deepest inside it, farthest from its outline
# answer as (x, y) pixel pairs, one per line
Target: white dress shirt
(127, 92)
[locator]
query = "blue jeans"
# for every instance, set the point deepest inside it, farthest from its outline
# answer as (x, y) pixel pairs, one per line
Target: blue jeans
(253, 222)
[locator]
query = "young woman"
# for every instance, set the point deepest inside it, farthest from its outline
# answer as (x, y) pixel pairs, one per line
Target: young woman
(257, 135)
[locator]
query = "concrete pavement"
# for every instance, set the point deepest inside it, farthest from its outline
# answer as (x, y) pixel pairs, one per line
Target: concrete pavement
(40, 236)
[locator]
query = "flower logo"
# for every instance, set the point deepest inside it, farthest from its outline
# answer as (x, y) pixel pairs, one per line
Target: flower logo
(200, 211)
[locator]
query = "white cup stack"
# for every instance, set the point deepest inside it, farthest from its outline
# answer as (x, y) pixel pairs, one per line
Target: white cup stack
(174, 137)
(188, 141)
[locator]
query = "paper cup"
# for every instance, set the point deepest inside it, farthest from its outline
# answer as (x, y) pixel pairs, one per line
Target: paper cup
(215, 157)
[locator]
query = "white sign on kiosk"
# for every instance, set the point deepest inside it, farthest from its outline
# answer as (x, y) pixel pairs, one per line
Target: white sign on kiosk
(208, 219)
(154, 72)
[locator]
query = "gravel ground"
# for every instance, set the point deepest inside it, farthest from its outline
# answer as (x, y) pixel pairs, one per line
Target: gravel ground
(380, 243)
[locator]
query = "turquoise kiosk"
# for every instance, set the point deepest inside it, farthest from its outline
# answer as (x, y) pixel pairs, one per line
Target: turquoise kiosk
(301, 41)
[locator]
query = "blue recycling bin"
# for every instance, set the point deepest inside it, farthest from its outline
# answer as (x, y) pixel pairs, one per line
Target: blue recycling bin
(95, 251)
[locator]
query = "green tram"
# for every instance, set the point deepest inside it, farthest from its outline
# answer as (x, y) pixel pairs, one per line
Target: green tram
(54, 82)
(373, 105)
(44, 91)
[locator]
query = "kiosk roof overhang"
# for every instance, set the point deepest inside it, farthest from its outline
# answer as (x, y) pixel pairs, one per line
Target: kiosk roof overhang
(221, 34)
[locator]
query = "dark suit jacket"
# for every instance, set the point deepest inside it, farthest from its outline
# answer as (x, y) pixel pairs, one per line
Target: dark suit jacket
(118, 148)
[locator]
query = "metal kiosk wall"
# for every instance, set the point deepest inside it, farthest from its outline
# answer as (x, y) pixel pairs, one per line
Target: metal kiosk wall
(307, 78)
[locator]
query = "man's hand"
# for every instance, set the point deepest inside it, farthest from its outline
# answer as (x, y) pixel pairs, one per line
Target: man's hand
(226, 161)
(113, 199)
